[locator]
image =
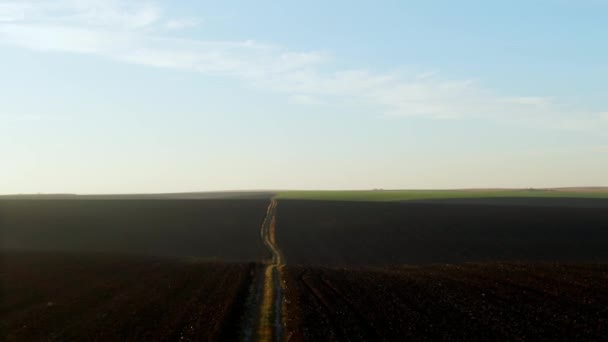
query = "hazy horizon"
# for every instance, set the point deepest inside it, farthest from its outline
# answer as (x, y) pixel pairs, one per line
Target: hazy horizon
(127, 97)
(579, 189)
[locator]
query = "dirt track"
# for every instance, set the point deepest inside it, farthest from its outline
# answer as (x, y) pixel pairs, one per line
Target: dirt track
(271, 310)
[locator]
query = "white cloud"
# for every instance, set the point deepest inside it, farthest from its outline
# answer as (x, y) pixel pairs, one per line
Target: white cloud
(13, 11)
(63, 38)
(90, 13)
(133, 32)
(178, 24)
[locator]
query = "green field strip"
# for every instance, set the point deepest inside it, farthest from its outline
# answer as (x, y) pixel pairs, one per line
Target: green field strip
(404, 195)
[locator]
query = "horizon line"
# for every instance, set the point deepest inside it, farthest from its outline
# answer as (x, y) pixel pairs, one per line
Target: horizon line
(560, 188)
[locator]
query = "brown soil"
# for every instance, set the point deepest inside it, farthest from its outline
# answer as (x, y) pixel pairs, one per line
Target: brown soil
(536, 302)
(59, 297)
(329, 233)
(174, 292)
(223, 230)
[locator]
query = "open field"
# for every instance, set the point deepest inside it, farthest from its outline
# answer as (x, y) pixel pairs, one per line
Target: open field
(177, 195)
(403, 195)
(535, 302)
(65, 296)
(555, 202)
(365, 233)
(225, 230)
(130, 269)
(503, 268)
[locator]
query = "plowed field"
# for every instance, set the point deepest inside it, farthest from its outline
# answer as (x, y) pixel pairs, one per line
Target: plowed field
(466, 302)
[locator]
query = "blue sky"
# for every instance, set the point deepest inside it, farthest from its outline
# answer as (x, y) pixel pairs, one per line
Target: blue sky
(157, 96)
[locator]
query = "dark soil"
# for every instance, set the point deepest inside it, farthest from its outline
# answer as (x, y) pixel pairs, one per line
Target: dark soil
(65, 297)
(106, 270)
(225, 230)
(362, 233)
(481, 302)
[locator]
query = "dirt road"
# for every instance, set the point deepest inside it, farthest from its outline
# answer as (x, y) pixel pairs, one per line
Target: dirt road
(270, 326)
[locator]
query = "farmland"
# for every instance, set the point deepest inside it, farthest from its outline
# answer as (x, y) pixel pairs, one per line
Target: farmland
(67, 296)
(135, 269)
(406, 195)
(250, 268)
(464, 302)
(223, 230)
(378, 233)
(503, 268)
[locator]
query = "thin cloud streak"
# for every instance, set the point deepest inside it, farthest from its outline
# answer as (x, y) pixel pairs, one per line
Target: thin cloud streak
(178, 24)
(134, 32)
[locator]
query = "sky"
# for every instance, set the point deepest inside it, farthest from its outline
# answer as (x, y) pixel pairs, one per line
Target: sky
(111, 96)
